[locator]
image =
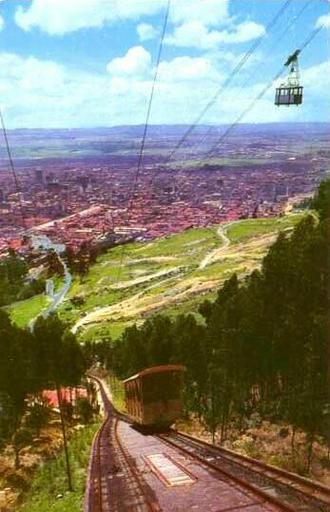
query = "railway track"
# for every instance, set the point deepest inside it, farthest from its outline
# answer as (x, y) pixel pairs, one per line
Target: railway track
(113, 483)
(287, 490)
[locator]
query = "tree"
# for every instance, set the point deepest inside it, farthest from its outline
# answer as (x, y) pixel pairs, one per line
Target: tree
(17, 369)
(60, 361)
(21, 438)
(84, 410)
(54, 264)
(321, 201)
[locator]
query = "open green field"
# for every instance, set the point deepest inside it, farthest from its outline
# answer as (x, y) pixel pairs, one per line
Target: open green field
(244, 229)
(22, 312)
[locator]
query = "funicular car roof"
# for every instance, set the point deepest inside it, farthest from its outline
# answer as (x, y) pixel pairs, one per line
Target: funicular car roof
(157, 369)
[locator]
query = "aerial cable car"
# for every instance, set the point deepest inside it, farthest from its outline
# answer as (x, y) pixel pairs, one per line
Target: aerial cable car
(290, 92)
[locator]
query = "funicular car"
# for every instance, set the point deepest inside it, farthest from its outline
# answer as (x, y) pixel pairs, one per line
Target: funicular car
(154, 396)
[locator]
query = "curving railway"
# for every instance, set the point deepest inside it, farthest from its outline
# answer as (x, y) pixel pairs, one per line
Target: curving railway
(173, 472)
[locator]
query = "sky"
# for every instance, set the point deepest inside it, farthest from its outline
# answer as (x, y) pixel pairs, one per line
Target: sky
(86, 63)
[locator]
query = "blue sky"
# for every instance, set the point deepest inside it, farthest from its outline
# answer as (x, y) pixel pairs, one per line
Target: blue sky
(82, 63)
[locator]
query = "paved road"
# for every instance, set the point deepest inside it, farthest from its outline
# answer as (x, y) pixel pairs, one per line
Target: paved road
(58, 297)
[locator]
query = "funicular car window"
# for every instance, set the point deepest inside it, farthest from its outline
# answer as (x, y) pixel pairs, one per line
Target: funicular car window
(161, 386)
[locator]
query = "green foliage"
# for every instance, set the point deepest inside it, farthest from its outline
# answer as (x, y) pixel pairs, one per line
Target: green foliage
(84, 410)
(59, 358)
(17, 363)
(8, 418)
(37, 416)
(265, 344)
(54, 264)
(321, 201)
(30, 362)
(48, 488)
(14, 285)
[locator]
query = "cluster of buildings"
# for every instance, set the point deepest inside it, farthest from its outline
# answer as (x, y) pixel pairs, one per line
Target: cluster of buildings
(74, 202)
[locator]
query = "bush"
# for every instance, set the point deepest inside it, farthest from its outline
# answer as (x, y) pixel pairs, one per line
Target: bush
(84, 410)
(37, 416)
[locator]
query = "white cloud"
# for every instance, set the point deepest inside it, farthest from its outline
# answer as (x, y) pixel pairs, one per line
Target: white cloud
(2, 23)
(208, 12)
(36, 93)
(136, 62)
(196, 34)
(58, 17)
(323, 21)
(317, 78)
(186, 68)
(146, 32)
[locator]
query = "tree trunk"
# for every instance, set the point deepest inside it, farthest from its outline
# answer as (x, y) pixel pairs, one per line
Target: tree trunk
(310, 452)
(65, 444)
(17, 460)
(293, 436)
(223, 424)
(213, 435)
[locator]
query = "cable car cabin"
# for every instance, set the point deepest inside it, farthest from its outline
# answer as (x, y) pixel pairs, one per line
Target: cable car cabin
(154, 396)
(290, 92)
(289, 95)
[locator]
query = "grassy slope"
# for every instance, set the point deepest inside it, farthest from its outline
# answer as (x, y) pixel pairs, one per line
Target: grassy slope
(179, 256)
(179, 253)
(244, 229)
(50, 480)
(22, 312)
(183, 251)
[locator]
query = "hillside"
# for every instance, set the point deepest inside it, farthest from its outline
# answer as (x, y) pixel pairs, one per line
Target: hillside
(172, 273)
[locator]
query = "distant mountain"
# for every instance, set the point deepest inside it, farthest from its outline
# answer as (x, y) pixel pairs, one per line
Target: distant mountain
(167, 130)
(121, 143)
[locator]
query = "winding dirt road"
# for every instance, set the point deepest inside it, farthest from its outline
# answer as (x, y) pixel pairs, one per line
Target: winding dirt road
(213, 255)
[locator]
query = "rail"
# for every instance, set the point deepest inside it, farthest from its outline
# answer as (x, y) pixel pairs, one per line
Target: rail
(97, 495)
(286, 490)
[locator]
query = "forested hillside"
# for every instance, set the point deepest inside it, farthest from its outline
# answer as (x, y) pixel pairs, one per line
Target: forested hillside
(265, 343)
